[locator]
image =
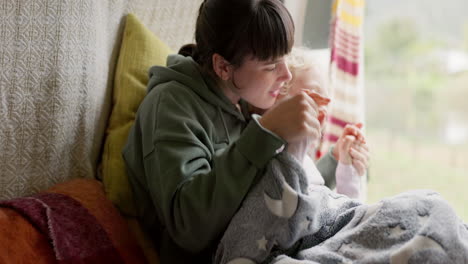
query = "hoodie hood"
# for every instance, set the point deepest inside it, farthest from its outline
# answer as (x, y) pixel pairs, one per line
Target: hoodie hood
(186, 71)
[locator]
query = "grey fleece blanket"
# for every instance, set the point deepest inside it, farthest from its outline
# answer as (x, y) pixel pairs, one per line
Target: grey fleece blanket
(283, 221)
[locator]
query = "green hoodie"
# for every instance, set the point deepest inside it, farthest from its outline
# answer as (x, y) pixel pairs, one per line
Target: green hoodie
(191, 158)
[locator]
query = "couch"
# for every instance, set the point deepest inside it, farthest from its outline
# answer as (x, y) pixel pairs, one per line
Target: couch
(60, 105)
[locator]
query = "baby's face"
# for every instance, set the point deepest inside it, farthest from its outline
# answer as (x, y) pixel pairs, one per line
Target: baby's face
(309, 79)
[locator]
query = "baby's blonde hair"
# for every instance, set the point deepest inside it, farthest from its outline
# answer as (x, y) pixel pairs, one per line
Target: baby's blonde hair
(301, 58)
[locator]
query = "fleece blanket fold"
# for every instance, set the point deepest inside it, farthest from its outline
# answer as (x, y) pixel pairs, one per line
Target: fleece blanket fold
(282, 220)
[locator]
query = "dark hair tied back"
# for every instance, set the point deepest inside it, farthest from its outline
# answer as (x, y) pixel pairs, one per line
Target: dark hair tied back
(188, 50)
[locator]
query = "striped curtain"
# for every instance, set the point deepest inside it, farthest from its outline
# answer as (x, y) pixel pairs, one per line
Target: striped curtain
(346, 70)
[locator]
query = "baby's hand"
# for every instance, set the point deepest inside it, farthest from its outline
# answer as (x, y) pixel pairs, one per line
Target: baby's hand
(349, 130)
(355, 152)
(360, 156)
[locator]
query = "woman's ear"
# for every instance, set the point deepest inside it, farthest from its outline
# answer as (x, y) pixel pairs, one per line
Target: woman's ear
(221, 67)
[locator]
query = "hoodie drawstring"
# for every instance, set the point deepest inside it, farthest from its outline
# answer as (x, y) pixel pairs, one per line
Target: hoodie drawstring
(224, 124)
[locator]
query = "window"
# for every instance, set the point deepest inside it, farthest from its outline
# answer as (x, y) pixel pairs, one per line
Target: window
(416, 63)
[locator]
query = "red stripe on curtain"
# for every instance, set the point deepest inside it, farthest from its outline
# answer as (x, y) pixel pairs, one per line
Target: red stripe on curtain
(337, 121)
(330, 137)
(345, 65)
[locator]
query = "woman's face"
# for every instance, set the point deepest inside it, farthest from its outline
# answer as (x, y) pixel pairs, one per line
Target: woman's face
(258, 82)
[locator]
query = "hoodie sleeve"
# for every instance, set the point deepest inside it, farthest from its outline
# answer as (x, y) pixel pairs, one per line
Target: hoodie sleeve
(196, 189)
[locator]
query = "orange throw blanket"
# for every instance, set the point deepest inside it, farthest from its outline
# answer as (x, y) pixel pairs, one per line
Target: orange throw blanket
(70, 223)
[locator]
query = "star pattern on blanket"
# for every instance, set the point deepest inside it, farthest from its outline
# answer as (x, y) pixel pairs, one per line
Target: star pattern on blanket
(396, 231)
(423, 219)
(305, 224)
(344, 247)
(262, 243)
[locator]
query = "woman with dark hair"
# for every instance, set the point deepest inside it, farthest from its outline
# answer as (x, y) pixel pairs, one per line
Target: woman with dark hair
(194, 150)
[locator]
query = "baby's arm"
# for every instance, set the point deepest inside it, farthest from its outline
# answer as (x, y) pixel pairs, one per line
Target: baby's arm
(348, 180)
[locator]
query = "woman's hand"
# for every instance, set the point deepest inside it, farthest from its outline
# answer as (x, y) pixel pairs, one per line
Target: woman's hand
(352, 143)
(294, 118)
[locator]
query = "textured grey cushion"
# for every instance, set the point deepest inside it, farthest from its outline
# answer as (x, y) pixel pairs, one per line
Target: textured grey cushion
(57, 60)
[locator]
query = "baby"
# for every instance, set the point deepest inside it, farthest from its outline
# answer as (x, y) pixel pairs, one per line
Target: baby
(309, 77)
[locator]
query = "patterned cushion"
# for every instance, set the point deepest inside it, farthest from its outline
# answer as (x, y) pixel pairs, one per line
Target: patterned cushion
(140, 50)
(57, 62)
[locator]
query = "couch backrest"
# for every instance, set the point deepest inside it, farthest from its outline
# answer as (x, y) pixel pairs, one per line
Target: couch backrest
(57, 60)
